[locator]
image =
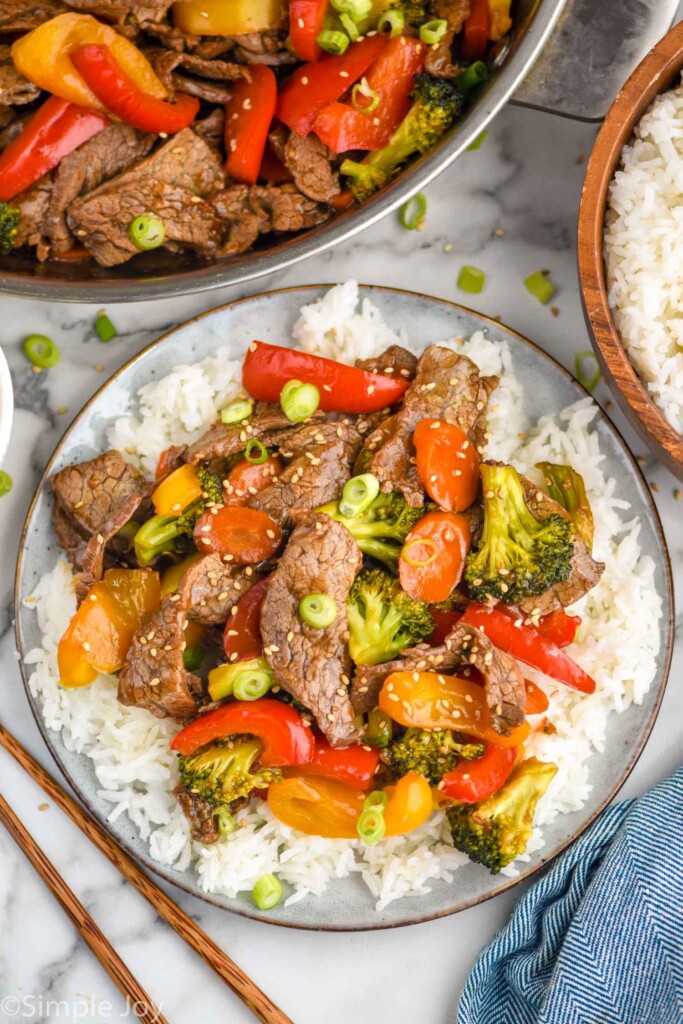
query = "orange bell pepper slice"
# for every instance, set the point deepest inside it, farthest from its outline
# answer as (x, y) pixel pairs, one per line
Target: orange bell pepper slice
(430, 700)
(317, 806)
(177, 491)
(410, 804)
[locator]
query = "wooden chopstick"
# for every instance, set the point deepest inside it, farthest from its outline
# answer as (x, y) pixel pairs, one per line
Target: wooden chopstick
(257, 1001)
(143, 1007)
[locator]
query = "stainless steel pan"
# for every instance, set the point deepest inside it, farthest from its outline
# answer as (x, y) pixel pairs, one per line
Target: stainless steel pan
(594, 47)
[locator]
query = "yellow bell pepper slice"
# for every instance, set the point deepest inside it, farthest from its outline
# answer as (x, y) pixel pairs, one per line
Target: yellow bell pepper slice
(410, 804)
(500, 21)
(177, 491)
(317, 806)
(226, 17)
(43, 56)
(170, 581)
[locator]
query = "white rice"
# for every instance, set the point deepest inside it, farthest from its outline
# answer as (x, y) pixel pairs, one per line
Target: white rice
(618, 642)
(644, 252)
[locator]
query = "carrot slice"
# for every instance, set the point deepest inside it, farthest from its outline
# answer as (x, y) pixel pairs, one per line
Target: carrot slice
(433, 557)
(239, 535)
(447, 464)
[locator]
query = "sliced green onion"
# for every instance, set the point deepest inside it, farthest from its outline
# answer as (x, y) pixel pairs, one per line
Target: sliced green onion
(350, 27)
(193, 658)
(471, 279)
(299, 401)
(478, 141)
(225, 823)
(318, 610)
(6, 482)
(370, 96)
(392, 22)
(358, 494)
(333, 42)
(267, 892)
(147, 232)
(356, 9)
(540, 286)
(433, 31)
(376, 801)
(379, 730)
(413, 212)
(222, 677)
(418, 563)
(584, 376)
(104, 328)
(42, 351)
(256, 452)
(371, 826)
(473, 76)
(237, 411)
(252, 684)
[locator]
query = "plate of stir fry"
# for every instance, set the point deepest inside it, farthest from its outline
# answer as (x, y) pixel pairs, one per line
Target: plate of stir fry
(323, 624)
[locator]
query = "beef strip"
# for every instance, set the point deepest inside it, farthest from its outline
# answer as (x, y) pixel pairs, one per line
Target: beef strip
(585, 570)
(102, 157)
(18, 16)
(395, 361)
(34, 204)
(309, 162)
(69, 538)
(268, 424)
(314, 664)
(6, 118)
(367, 682)
(265, 47)
(439, 59)
(210, 588)
(248, 211)
(154, 675)
(212, 128)
(200, 815)
(446, 386)
(15, 90)
(92, 561)
(167, 62)
(128, 16)
(171, 184)
(12, 125)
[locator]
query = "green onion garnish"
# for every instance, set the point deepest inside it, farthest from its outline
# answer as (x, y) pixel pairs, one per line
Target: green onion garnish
(104, 328)
(318, 610)
(255, 452)
(540, 286)
(476, 143)
(473, 76)
(350, 27)
(267, 892)
(224, 821)
(471, 279)
(358, 494)
(413, 212)
(299, 401)
(252, 684)
(333, 42)
(587, 377)
(356, 9)
(433, 31)
(392, 22)
(370, 97)
(371, 826)
(6, 482)
(193, 658)
(147, 232)
(42, 351)
(377, 800)
(237, 411)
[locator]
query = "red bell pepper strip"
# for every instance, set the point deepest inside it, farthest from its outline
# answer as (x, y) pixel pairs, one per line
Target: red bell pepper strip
(56, 129)
(472, 781)
(557, 626)
(444, 623)
(242, 634)
(104, 75)
(355, 766)
(286, 738)
(341, 127)
(528, 646)
(314, 86)
(476, 31)
(267, 368)
(306, 22)
(248, 116)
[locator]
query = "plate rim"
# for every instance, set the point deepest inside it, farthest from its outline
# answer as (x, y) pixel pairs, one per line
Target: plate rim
(167, 873)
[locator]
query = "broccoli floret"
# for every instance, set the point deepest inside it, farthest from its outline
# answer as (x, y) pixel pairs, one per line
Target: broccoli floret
(437, 105)
(430, 752)
(414, 11)
(518, 555)
(174, 535)
(382, 528)
(9, 223)
(498, 829)
(220, 773)
(566, 487)
(383, 620)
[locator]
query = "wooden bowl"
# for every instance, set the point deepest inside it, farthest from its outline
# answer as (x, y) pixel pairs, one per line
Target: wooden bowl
(659, 71)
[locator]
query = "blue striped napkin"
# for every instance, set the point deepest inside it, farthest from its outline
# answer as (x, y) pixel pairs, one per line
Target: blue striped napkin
(599, 939)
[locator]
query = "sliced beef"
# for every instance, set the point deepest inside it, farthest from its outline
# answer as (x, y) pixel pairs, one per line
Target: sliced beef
(212, 128)
(309, 161)
(92, 562)
(267, 424)
(210, 588)
(446, 386)
(314, 664)
(12, 125)
(34, 204)
(439, 59)
(102, 157)
(395, 361)
(128, 16)
(265, 47)
(203, 78)
(172, 184)
(18, 16)
(15, 90)
(585, 570)
(154, 675)
(248, 211)
(200, 815)
(367, 682)
(70, 539)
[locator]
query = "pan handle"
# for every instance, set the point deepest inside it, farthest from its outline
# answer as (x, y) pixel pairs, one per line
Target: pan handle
(592, 51)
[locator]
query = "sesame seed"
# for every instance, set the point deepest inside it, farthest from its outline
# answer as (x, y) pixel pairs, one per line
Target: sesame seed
(343, 74)
(290, 636)
(330, 717)
(304, 79)
(393, 696)
(155, 681)
(86, 645)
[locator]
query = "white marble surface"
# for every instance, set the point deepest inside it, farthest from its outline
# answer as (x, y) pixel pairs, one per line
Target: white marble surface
(509, 208)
